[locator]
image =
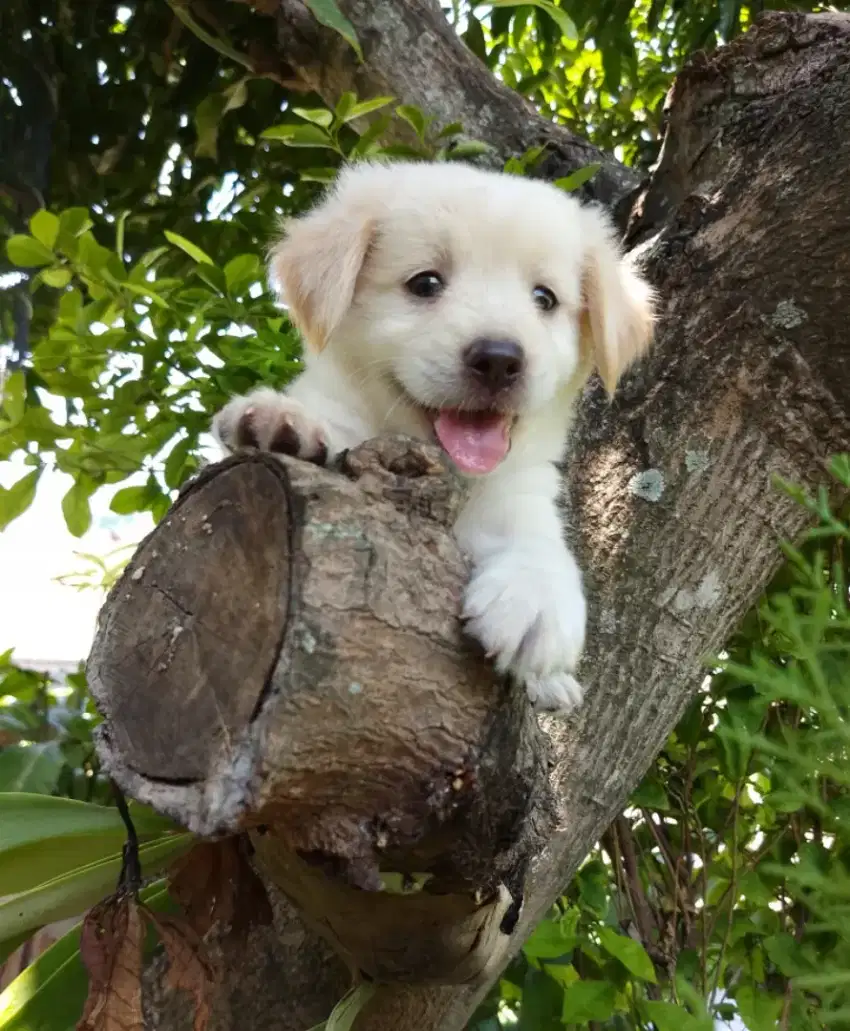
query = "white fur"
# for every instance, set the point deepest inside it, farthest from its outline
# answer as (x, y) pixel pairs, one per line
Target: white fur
(373, 351)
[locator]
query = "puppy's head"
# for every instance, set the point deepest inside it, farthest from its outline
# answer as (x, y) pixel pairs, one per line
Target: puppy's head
(478, 298)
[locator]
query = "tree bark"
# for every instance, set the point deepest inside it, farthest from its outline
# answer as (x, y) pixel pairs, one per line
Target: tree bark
(743, 229)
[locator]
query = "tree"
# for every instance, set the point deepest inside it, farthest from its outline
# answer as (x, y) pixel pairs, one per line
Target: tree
(674, 512)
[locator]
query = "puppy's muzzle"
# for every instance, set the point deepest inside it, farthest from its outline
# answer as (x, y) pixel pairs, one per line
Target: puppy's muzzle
(496, 366)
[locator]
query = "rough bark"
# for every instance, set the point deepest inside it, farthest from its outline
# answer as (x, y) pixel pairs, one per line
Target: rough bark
(411, 53)
(743, 229)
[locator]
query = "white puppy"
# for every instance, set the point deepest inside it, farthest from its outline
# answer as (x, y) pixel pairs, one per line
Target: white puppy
(442, 301)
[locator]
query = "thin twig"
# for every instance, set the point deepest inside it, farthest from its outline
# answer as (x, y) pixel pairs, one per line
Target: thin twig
(130, 878)
(733, 894)
(643, 913)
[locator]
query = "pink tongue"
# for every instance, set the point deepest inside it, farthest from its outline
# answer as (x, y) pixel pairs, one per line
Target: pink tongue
(475, 441)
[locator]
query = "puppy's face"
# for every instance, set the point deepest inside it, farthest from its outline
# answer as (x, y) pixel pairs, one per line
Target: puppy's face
(478, 297)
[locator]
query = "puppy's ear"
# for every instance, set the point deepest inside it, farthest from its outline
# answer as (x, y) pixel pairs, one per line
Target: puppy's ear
(617, 304)
(316, 265)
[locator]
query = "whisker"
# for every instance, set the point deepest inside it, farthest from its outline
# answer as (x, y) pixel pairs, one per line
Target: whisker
(392, 408)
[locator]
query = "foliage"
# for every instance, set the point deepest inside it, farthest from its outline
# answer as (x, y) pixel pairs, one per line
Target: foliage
(147, 151)
(728, 876)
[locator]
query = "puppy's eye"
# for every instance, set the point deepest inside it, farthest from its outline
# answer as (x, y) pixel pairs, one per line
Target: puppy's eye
(544, 298)
(426, 284)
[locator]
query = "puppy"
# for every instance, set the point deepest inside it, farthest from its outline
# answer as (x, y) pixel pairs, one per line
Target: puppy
(442, 301)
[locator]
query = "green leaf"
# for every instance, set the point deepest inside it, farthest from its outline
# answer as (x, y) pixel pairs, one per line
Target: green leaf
(474, 38)
(542, 999)
(213, 276)
(194, 252)
(578, 178)
(327, 13)
(73, 222)
(44, 226)
(668, 1017)
(318, 175)
(179, 464)
(759, 1010)
(467, 149)
(716, 890)
(146, 293)
(452, 129)
(33, 767)
(593, 885)
(130, 499)
(90, 254)
(300, 136)
(785, 954)
(36, 818)
(241, 272)
(345, 1012)
(650, 795)
(27, 252)
(553, 938)
(235, 96)
(557, 14)
(278, 132)
(318, 116)
(366, 107)
(753, 888)
(14, 397)
(589, 1000)
(49, 995)
(56, 277)
(71, 893)
(629, 952)
(15, 500)
(345, 104)
(45, 837)
(368, 139)
(414, 118)
(839, 466)
(76, 508)
(208, 115)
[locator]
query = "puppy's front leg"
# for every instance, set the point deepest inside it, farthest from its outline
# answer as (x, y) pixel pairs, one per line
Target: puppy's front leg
(525, 601)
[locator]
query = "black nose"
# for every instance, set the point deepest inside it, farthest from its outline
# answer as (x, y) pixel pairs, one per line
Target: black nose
(496, 364)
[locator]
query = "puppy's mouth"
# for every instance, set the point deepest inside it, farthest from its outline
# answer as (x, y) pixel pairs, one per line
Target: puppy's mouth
(476, 442)
(476, 439)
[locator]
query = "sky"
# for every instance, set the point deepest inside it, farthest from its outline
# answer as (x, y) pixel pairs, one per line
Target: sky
(40, 617)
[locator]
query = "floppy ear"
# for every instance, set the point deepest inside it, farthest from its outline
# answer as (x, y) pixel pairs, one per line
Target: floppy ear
(316, 264)
(617, 304)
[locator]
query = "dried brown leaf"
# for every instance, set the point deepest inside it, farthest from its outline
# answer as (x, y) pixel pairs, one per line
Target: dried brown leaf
(111, 947)
(188, 971)
(215, 883)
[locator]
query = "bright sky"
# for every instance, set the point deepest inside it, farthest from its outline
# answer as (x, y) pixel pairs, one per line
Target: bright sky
(39, 617)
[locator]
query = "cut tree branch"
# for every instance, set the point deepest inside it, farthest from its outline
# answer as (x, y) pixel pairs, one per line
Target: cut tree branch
(298, 630)
(673, 514)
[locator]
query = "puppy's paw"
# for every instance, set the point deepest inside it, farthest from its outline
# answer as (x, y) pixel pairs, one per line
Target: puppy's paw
(556, 694)
(270, 421)
(530, 614)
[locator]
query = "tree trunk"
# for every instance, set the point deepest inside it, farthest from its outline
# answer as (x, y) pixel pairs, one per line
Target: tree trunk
(743, 229)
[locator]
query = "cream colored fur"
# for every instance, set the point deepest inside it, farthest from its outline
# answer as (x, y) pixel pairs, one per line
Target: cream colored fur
(377, 359)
